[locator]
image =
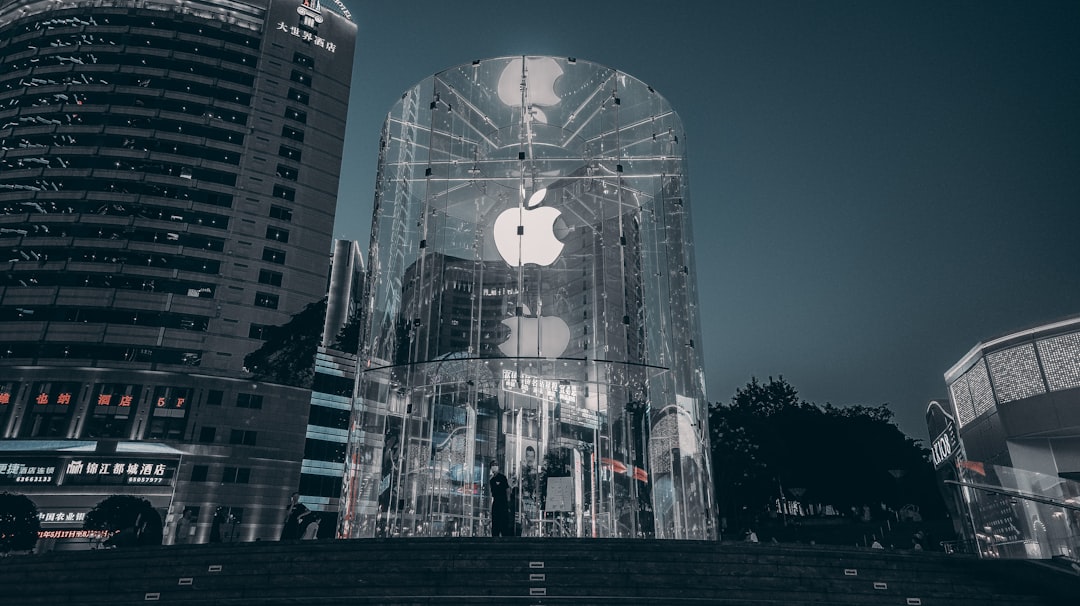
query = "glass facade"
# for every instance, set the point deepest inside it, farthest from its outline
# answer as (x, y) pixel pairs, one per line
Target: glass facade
(531, 304)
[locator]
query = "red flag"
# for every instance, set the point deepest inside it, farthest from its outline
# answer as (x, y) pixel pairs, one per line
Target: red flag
(640, 474)
(613, 465)
(975, 466)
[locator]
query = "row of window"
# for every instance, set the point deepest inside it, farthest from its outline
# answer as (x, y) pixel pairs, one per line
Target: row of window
(113, 256)
(240, 437)
(64, 118)
(102, 161)
(31, 277)
(90, 143)
(128, 56)
(100, 352)
(81, 21)
(92, 315)
(156, 38)
(106, 231)
(105, 75)
(92, 206)
(115, 183)
(116, 101)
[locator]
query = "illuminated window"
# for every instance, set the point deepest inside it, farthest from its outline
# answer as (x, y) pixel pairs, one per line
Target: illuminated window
(982, 394)
(298, 96)
(267, 300)
(283, 193)
(292, 133)
(276, 233)
(288, 173)
(295, 114)
(961, 398)
(288, 152)
(260, 331)
(304, 60)
(301, 77)
(273, 255)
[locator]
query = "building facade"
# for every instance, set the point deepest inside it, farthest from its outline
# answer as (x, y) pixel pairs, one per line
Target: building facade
(1008, 442)
(168, 181)
(531, 303)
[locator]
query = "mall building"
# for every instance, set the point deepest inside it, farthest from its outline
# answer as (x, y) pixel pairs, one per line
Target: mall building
(168, 181)
(1007, 442)
(531, 303)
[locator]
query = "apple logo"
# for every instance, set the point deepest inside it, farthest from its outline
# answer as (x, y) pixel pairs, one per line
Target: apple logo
(538, 75)
(527, 235)
(535, 336)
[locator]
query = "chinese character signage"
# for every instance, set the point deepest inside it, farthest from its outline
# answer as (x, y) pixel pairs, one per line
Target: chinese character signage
(119, 471)
(58, 395)
(87, 471)
(24, 472)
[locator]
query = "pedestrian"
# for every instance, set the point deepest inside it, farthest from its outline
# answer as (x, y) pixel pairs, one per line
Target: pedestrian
(296, 510)
(185, 528)
(500, 502)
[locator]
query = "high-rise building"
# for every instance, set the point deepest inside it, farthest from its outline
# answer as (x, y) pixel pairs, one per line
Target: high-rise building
(531, 303)
(168, 181)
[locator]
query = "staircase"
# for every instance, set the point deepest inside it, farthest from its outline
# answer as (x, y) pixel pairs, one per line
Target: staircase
(527, 572)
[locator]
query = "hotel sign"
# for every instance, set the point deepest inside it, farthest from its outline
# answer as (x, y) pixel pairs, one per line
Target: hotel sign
(87, 472)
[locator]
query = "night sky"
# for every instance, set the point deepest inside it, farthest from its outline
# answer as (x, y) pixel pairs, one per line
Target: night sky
(876, 186)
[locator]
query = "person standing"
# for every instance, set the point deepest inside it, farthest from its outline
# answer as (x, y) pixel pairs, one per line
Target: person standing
(185, 528)
(296, 510)
(500, 502)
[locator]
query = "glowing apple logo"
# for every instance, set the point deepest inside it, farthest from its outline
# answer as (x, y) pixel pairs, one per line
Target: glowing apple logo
(527, 235)
(535, 336)
(539, 75)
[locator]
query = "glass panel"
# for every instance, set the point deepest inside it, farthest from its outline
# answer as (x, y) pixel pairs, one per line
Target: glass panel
(532, 307)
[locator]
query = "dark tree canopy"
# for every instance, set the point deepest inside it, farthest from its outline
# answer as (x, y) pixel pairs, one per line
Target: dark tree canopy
(19, 523)
(769, 437)
(135, 519)
(288, 356)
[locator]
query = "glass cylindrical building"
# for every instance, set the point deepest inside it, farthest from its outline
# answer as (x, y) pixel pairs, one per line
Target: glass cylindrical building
(532, 305)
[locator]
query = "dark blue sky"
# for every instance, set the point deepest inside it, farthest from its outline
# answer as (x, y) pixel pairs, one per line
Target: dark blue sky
(877, 186)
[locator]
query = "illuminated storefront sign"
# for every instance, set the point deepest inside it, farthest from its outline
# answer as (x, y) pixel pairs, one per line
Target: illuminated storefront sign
(62, 517)
(87, 472)
(74, 534)
(296, 32)
(23, 473)
(82, 472)
(541, 388)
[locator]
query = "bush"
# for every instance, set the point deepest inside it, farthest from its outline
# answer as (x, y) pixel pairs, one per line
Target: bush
(134, 520)
(19, 523)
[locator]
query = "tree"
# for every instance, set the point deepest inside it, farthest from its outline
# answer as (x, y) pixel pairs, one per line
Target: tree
(19, 523)
(288, 356)
(769, 439)
(133, 520)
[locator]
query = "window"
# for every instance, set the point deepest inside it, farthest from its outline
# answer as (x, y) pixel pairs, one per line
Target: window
(267, 300)
(301, 77)
(260, 331)
(281, 213)
(199, 472)
(304, 60)
(285, 193)
(242, 436)
(273, 255)
(249, 400)
(281, 235)
(298, 96)
(295, 114)
(207, 435)
(273, 278)
(214, 397)
(288, 152)
(292, 133)
(236, 475)
(287, 172)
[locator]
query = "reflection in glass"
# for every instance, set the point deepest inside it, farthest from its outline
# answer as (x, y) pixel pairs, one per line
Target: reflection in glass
(531, 303)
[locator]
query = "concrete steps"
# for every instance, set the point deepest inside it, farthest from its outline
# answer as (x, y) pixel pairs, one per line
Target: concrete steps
(523, 571)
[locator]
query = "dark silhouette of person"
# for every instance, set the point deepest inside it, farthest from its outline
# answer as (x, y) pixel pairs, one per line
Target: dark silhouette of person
(500, 502)
(215, 525)
(293, 528)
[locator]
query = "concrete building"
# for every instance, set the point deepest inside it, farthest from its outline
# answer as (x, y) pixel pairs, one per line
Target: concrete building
(168, 181)
(1009, 441)
(531, 303)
